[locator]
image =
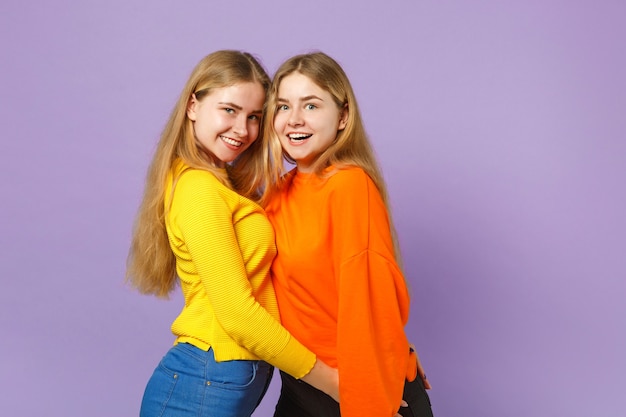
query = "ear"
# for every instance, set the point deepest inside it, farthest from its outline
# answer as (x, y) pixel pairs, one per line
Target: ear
(192, 106)
(343, 117)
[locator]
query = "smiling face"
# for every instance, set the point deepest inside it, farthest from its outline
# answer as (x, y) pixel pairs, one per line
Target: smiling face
(307, 119)
(226, 121)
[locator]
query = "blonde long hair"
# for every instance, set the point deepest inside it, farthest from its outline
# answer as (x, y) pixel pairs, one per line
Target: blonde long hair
(352, 146)
(151, 265)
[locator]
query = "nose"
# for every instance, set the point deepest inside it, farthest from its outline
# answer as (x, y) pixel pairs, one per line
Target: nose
(240, 128)
(295, 117)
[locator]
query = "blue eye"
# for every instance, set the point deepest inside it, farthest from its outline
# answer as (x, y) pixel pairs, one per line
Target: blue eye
(310, 106)
(229, 110)
(283, 107)
(254, 117)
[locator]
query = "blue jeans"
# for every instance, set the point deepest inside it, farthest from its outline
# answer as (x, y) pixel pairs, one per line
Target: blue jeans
(188, 382)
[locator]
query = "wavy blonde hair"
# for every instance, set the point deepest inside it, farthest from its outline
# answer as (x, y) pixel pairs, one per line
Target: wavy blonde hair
(351, 147)
(151, 265)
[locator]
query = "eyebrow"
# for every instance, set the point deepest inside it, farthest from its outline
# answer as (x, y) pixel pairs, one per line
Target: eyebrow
(237, 106)
(305, 98)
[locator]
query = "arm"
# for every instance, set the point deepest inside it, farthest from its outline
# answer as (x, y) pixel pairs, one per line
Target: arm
(372, 346)
(373, 304)
(420, 369)
(203, 214)
(324, 378)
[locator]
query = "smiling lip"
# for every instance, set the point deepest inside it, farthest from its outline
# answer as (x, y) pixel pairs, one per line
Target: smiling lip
(232, 143)
(298, 138)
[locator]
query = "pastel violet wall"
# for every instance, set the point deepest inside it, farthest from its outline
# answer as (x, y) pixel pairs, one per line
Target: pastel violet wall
(501, 130)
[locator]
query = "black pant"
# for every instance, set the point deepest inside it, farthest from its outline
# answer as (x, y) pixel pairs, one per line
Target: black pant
(299, 399)
(419, 403)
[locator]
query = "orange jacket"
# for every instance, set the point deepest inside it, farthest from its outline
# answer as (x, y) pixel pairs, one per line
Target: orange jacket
(339, 289)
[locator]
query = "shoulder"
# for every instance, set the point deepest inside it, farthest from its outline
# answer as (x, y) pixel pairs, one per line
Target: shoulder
(352, 186)
(278, 191)
(196, 176)
(350, 179)
(201, 190)
(197, 181)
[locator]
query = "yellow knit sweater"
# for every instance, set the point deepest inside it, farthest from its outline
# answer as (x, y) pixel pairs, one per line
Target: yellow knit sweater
(224, 246)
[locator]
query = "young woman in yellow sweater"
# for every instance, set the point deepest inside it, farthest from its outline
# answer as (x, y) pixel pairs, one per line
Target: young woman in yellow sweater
(199, 226)
(340, 288)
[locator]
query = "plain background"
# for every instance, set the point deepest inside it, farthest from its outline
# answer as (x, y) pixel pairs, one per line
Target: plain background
(500, 126)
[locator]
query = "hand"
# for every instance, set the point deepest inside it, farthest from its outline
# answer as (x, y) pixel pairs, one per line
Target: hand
(324, 378)
(420, 368)
(402, 404)
(420, 373)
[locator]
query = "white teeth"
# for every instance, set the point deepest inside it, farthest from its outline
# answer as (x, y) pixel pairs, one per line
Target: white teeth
(298, 135)
(231, 141)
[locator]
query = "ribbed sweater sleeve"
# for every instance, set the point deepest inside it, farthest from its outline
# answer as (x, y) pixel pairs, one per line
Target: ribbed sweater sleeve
(202, 216)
